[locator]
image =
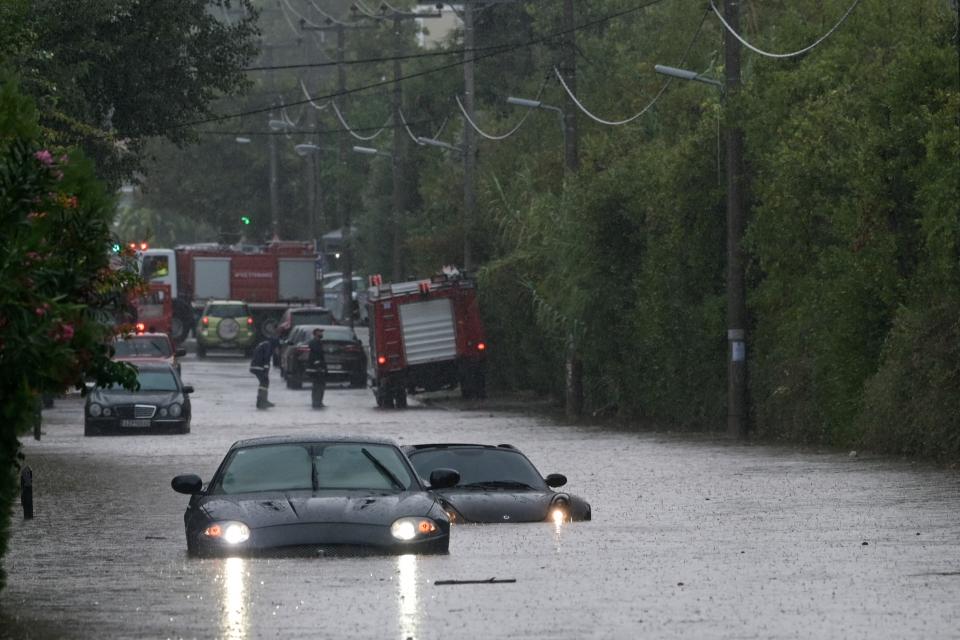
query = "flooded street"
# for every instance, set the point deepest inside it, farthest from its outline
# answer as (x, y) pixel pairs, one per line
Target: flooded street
(691, 537)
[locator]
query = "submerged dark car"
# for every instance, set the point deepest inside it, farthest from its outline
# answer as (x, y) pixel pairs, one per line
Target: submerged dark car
(315, 496)
(160, 404)
(497, 484)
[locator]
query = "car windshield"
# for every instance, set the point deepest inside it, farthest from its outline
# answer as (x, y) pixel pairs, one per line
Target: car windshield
(314, 466)
(227, 311)
(143, 347)
(311, 317)
(152, 380)
(479, 467)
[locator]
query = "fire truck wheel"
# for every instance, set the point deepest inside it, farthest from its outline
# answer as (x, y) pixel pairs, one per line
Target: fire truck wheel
(384, 398)
(400, 398)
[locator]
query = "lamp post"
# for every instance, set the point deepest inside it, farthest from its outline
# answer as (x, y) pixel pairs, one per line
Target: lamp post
(574, 365)
(736, 293)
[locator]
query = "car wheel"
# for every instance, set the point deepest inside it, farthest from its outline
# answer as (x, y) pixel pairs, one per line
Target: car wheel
(201, 351)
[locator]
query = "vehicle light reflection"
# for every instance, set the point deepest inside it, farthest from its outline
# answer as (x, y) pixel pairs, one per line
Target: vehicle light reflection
(235, 623)
(558, 517)
(408, 596)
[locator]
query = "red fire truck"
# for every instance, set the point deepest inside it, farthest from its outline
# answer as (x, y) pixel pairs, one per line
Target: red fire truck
(154, 309)
(425, 335)
(268, 278)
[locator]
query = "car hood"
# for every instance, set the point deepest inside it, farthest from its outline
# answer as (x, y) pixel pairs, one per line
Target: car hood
(296, 507)
(118, 396)
(499, 506)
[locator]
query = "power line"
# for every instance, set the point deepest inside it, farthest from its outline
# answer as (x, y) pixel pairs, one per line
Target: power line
(784, 55)
(663, 87)
(409, 56)
(432, 70)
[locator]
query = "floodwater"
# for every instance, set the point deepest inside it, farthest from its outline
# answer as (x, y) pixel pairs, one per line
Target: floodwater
(691, 537)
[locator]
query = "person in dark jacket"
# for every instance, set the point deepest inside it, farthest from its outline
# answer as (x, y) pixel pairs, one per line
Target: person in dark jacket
(318, 363)
(260, 367)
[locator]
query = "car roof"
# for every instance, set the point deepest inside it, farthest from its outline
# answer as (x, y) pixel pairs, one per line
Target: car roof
(414, 448)
(146, 334)
(296, 310)
(301, 439)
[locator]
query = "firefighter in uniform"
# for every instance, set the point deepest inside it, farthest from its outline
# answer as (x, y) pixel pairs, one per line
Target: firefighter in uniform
(260, 367)
(318, 363)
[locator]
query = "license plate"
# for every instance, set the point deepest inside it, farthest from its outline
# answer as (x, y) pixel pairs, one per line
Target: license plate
(134, 423)
(334, 367)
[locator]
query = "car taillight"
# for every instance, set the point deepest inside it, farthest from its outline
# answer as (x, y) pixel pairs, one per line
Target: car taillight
(352, 347)
(303, 349)
(381, 360)
(206, 321)
(141, 327)
(481, 346)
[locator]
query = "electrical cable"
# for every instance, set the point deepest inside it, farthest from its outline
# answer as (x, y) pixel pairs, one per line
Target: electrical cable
(652, 102)
(425, 72)
(308, 131)
(303, 19)
(286, 19)
(406, 126)
(310, 101)
(783, 55)
(409, 56)
(488, 136)
(346, 126)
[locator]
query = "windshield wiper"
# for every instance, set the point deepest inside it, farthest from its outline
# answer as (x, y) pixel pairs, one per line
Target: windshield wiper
(497, 484)
(386, 473)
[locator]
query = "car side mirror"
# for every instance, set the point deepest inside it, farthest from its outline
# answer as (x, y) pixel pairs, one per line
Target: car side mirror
(444, 478)
(189, 483)
(180, 353)
(556, 480)
(188, 388)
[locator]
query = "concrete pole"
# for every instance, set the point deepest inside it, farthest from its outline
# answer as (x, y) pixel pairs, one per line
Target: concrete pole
(343, 212)
(736, 299)
(398, 157)
(574, 365)
(469, 137)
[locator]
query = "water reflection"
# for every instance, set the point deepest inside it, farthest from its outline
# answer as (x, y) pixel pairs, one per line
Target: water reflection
(235, 625)
(558, 524)
(408, 593)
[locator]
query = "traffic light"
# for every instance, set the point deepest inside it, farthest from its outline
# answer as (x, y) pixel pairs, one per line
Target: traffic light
(245, 220)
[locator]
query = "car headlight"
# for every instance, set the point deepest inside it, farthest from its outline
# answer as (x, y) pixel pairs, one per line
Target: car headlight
(411, 528)
(175, 410)
(229, 532)
(560, 510)
(163, 412)
(95, 410)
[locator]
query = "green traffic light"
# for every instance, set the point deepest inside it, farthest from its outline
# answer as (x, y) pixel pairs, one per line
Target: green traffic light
(245, 219)
(116, 247)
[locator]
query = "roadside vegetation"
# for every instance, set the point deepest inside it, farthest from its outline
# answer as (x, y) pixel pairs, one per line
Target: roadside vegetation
(853, 227)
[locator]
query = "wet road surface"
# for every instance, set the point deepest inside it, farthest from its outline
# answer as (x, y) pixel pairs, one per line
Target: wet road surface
(692, 537)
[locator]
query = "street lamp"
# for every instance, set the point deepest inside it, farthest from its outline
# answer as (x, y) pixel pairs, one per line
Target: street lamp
(370, 151)
(736, 289)
(684, 74)
(433, 142)
(536, 104)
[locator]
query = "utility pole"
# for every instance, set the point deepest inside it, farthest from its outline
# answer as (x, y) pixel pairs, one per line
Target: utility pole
(469, 139)
(574, 365)
(398, 198)
(736, 299)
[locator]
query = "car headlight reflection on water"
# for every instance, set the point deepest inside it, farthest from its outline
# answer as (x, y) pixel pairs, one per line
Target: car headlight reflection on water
(229, 532)
(407, 529)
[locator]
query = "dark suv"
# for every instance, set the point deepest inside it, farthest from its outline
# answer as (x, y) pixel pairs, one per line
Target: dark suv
(342, 350)
(295, 316)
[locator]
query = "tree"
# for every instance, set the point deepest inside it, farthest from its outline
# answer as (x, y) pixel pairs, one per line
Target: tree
(59, 290)
(109, 74)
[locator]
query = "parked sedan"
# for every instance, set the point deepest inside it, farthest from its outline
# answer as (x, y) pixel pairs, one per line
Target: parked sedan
(315, 495)
(160, 404)
(295, 316)
(148, 347)
(497, 484)
(342, 350)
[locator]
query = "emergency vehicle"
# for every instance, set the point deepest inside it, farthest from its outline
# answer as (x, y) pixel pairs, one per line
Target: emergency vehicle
(425, 335)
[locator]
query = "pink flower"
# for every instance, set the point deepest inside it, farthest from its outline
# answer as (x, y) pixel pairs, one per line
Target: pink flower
(65, 333)
(45, 157)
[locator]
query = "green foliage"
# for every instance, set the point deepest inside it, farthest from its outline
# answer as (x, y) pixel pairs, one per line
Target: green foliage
(56, 282)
